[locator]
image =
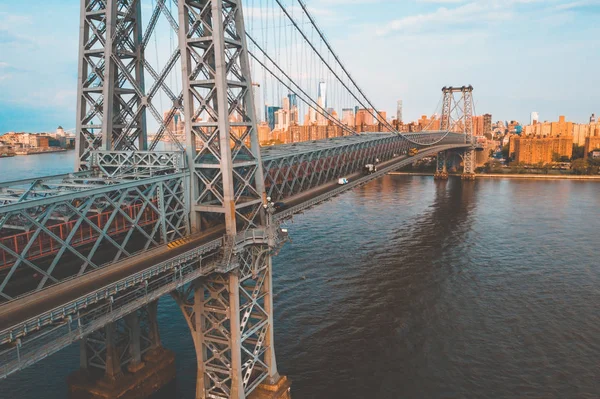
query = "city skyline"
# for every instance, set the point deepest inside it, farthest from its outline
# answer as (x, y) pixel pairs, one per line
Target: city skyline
(39, 58)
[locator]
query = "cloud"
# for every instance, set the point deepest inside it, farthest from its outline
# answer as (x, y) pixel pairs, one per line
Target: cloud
(10, 27)
(577, 4)
(395, 49)
(441, 1)
(467, 13)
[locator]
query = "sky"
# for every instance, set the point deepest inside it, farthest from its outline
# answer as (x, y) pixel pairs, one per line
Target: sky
(519, 55)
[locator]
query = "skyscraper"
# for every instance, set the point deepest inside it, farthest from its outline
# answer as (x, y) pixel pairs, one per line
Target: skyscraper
(293, 98)
(399, 111)
(270, 111)
(285, 103)
(294, 114)
(535, 117)
(322, 95)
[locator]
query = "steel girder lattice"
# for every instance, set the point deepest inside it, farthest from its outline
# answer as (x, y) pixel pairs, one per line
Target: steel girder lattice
(292, 171)
(46, 240)
(221, 137)
(230, 317)
(109, 350)
(111, 81)
(114, 72)
(457, 116)
(138, 163)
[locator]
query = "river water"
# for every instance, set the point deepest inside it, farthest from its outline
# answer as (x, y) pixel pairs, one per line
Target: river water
(410, 288)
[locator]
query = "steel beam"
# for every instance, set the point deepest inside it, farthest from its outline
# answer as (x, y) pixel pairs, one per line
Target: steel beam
(230, 318)
(111, 89)
(222, 142)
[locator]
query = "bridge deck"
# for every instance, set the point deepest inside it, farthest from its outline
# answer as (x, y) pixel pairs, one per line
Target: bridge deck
(23, 309)
(31, 306)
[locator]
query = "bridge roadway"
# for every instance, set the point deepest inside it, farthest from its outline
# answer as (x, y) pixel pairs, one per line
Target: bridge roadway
(18, 316)
(20, 310)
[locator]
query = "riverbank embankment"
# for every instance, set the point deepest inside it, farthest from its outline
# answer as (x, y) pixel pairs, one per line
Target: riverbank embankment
(512, 176)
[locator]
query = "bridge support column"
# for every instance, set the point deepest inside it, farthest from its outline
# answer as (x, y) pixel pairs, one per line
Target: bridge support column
(231, 320)
(469, 165)
(123, 360)
(442, 169)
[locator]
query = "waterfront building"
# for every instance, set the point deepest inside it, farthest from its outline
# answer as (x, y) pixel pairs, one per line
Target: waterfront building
(534, 150)
(550, 129)
(428, 124)
(591, 144)
(583, 131)
(487, 125)
(478, 125)
(264, 133)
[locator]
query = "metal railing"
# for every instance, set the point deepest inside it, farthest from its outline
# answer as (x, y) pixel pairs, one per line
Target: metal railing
(66, 324)
(288, 213)
(43, 335)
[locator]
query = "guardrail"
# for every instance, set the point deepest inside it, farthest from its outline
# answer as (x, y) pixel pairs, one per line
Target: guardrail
(63, 325)
(78, 323)
(74, 307)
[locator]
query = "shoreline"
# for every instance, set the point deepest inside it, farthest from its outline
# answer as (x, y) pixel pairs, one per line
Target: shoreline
(511, 176)
(28, 152)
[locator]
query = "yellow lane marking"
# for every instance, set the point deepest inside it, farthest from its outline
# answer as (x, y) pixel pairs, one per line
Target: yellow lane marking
(178, 243)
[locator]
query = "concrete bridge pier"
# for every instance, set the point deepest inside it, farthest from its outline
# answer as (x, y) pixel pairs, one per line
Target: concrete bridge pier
(123, 360)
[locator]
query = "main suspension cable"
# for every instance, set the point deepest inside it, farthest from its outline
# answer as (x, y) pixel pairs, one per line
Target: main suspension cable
(312, 21)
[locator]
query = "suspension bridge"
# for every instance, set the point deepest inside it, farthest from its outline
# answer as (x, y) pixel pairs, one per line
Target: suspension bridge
(85, 256)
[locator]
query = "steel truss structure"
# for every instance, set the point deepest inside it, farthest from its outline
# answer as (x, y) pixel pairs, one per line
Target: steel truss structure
(231, 320)
(110, 78)
(137, 163)
(120, 345)
(32, 340)
(296, 168)
(457, 116)
(221, 138)
(112, 100)
(401, 162)
(71, 231)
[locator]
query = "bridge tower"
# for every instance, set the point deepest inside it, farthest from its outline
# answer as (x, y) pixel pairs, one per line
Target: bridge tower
(457, 116)
(230, 313)
(111, 97)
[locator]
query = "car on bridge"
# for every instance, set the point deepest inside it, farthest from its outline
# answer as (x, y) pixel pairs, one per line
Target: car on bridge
(369, 169)
(343, 181)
